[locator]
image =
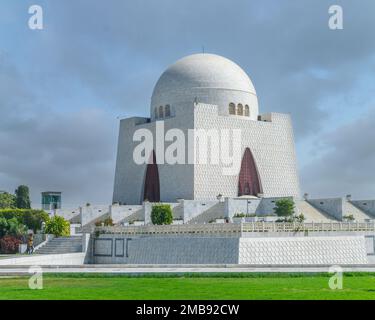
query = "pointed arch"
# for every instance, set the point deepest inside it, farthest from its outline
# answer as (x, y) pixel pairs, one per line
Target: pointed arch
(249, 181)
(151, 190)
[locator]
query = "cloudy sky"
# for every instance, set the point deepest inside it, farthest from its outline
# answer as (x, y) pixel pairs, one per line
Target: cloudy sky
(63, 88)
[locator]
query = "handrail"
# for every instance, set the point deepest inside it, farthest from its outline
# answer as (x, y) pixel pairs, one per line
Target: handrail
(240, 228)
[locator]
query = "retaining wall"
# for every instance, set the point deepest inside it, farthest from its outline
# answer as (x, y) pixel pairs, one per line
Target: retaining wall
(314, 250)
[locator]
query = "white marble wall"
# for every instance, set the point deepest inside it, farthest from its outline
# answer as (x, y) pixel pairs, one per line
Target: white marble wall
(367, 206)
(332, 206)
(303, 250)
(92, 213)
(271, 142)
(326, 250)
(272, 145)
(68, 213)
(165, 250)
(119, 213)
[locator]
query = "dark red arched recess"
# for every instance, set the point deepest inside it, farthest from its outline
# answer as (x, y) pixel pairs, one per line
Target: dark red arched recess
(249, 181)
(152, 184)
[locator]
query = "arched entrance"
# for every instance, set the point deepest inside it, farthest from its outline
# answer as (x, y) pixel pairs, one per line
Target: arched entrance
(249, 180)
(152, 184)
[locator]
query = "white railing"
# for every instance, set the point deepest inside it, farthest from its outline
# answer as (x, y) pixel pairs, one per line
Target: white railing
(308, 226)
(174, 229)
(239, 228)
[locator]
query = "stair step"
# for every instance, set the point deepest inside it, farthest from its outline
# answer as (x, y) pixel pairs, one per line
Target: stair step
(62, 245)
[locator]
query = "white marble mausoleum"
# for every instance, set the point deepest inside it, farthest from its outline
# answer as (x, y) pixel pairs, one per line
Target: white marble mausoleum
(208, 92)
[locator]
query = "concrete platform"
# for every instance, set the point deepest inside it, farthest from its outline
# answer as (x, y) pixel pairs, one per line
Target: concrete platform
(173, 269)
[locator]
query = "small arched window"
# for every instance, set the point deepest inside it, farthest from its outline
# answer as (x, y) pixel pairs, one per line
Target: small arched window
(232, 108)
(161, 112)
(156, 112)
(247, 111)
(167, 110)
(240, 109)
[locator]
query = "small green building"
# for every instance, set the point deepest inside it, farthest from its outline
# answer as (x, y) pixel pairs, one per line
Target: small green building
(51, 200)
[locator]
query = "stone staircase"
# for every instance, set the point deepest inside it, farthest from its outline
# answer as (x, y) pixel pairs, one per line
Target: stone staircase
(61, 245)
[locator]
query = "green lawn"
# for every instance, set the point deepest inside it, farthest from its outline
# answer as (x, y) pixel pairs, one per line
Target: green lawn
(190, 286)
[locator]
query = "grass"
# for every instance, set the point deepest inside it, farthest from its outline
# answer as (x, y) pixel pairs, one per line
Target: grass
(190, 286)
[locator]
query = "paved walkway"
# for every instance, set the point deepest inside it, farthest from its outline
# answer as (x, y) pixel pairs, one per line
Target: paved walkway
(19, 270)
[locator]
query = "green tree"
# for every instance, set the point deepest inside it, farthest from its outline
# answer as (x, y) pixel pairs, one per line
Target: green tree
(7, 200)
(285, 208)
(161, 214)
(23, 198)
(57, 226)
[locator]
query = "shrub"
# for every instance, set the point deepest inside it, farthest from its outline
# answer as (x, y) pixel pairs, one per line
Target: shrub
(161, 214)
(243, 215)
(284, 208)
(12, 227)
(300, 218)
(57, 226)
(32, 219)
(9, 244)
(15, 228)
(106, 222)
(3, 227)
(349, 217)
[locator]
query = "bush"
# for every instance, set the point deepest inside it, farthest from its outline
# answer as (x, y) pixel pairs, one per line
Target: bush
(12, 227)
(57, 226)
(106, 222)
(32, 219)
(349, 217)
(300, 218)
(284, 208)
(9, 244)
(161, 214)
(243, 215)
(3, 227)
(15, 228)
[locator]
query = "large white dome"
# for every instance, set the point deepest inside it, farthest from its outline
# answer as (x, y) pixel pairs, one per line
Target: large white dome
(205, 78)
